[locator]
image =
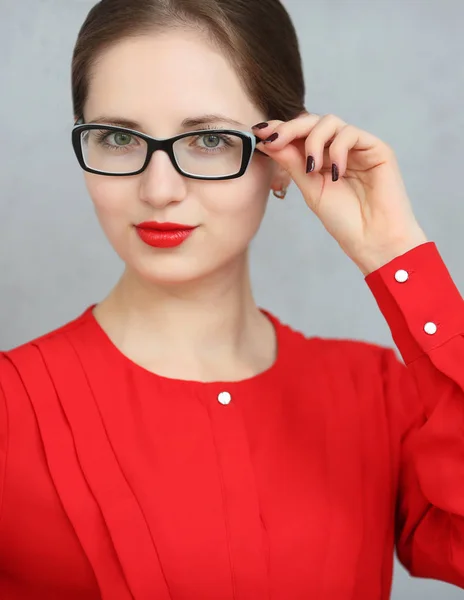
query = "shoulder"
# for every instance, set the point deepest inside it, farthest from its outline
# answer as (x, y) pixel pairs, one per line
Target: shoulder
(27, 356)
(350, 368)
(337, 352)
(367, 375)
(24, 375)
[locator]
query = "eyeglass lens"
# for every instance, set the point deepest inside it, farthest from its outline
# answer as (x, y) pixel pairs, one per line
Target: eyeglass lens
(213, 154)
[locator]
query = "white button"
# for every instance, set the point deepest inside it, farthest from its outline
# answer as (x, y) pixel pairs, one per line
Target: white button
(401, 276)
(430, 328)
(224, 397)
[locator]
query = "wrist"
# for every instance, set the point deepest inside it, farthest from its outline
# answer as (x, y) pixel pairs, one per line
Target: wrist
(381, 256)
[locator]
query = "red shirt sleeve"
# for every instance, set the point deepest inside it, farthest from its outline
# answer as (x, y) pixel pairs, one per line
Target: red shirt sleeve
(425, 313)
(3, 440)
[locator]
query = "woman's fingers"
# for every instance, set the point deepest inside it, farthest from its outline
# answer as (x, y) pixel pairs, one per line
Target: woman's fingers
(284, 132)
(299, 145)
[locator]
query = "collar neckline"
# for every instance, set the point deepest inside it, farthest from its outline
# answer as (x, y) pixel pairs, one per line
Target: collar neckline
(125, 362)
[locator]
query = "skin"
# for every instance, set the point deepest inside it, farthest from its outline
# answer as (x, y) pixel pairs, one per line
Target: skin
(185, 312)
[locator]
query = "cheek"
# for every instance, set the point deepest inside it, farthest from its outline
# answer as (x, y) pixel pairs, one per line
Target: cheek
(111, 199)
(238, 206)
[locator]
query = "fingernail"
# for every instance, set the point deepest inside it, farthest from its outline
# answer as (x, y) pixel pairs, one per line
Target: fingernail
(271, 138)
(334, 172)
(310, 164)
(260, 126)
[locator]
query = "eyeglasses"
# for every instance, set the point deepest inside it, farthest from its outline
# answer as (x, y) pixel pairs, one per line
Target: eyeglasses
(203, 154)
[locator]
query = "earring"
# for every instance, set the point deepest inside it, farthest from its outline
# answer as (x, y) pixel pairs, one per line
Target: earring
(280, 193)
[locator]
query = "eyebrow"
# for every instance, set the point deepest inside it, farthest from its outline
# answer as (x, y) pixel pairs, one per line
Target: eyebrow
(187, 123)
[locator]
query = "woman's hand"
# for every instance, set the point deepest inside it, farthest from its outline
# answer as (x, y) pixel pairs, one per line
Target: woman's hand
(367, 210)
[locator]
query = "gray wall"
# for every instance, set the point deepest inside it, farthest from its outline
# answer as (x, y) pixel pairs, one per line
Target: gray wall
(392, 67)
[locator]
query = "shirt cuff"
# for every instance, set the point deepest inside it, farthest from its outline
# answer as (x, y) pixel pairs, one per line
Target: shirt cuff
(419, 300)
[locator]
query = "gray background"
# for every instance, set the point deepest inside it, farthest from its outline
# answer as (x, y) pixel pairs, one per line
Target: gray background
(391, 67)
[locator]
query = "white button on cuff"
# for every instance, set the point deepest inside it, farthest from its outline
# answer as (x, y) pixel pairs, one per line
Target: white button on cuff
(224, 398)
(430, 328)
(401, 276)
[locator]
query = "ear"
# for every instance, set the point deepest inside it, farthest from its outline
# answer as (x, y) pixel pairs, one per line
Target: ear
(281, 179)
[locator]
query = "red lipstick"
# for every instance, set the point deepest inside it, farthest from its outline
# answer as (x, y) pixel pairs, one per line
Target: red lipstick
(163, 235)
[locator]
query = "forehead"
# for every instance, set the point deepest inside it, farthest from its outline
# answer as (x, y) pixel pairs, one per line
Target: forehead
(159, 80)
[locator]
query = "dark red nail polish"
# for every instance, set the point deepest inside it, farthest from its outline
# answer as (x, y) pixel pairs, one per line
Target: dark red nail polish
(271, 138)
(310, 164)
(334, 172)
(260, 126)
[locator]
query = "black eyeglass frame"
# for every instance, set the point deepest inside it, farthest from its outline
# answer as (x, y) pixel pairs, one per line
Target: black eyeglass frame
(153, 144)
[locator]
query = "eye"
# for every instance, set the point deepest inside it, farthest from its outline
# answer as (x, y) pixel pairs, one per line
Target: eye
(213, 139)
(122, 139)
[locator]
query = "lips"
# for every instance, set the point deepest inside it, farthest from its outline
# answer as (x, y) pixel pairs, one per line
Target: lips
(163, 235)
(154, 225)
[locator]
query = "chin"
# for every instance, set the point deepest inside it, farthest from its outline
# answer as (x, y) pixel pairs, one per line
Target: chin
(172, 271)
(180, 265)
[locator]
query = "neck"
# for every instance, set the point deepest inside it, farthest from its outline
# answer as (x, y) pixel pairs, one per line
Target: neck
(212, 321)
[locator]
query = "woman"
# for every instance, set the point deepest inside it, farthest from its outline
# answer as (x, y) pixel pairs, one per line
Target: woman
(177, 442)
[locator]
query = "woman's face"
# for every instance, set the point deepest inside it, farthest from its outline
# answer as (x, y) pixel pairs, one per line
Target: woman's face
(157, 82)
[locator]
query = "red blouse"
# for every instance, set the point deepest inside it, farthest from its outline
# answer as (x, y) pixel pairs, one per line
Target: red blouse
(119, 484)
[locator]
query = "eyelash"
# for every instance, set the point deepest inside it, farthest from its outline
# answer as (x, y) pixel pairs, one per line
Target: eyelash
(225, 138)
(103, 134)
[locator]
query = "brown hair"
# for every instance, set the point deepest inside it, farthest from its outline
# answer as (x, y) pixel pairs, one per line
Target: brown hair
(257, 37)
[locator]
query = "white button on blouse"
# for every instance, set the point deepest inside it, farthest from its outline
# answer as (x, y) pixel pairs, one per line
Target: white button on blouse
(224, 398)
(430, 328)
(401, 276)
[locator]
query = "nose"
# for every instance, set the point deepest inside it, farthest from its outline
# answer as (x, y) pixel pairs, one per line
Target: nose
(161, 184)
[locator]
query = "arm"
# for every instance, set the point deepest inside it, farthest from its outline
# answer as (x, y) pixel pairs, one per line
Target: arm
(428, 399)
(3, 438)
